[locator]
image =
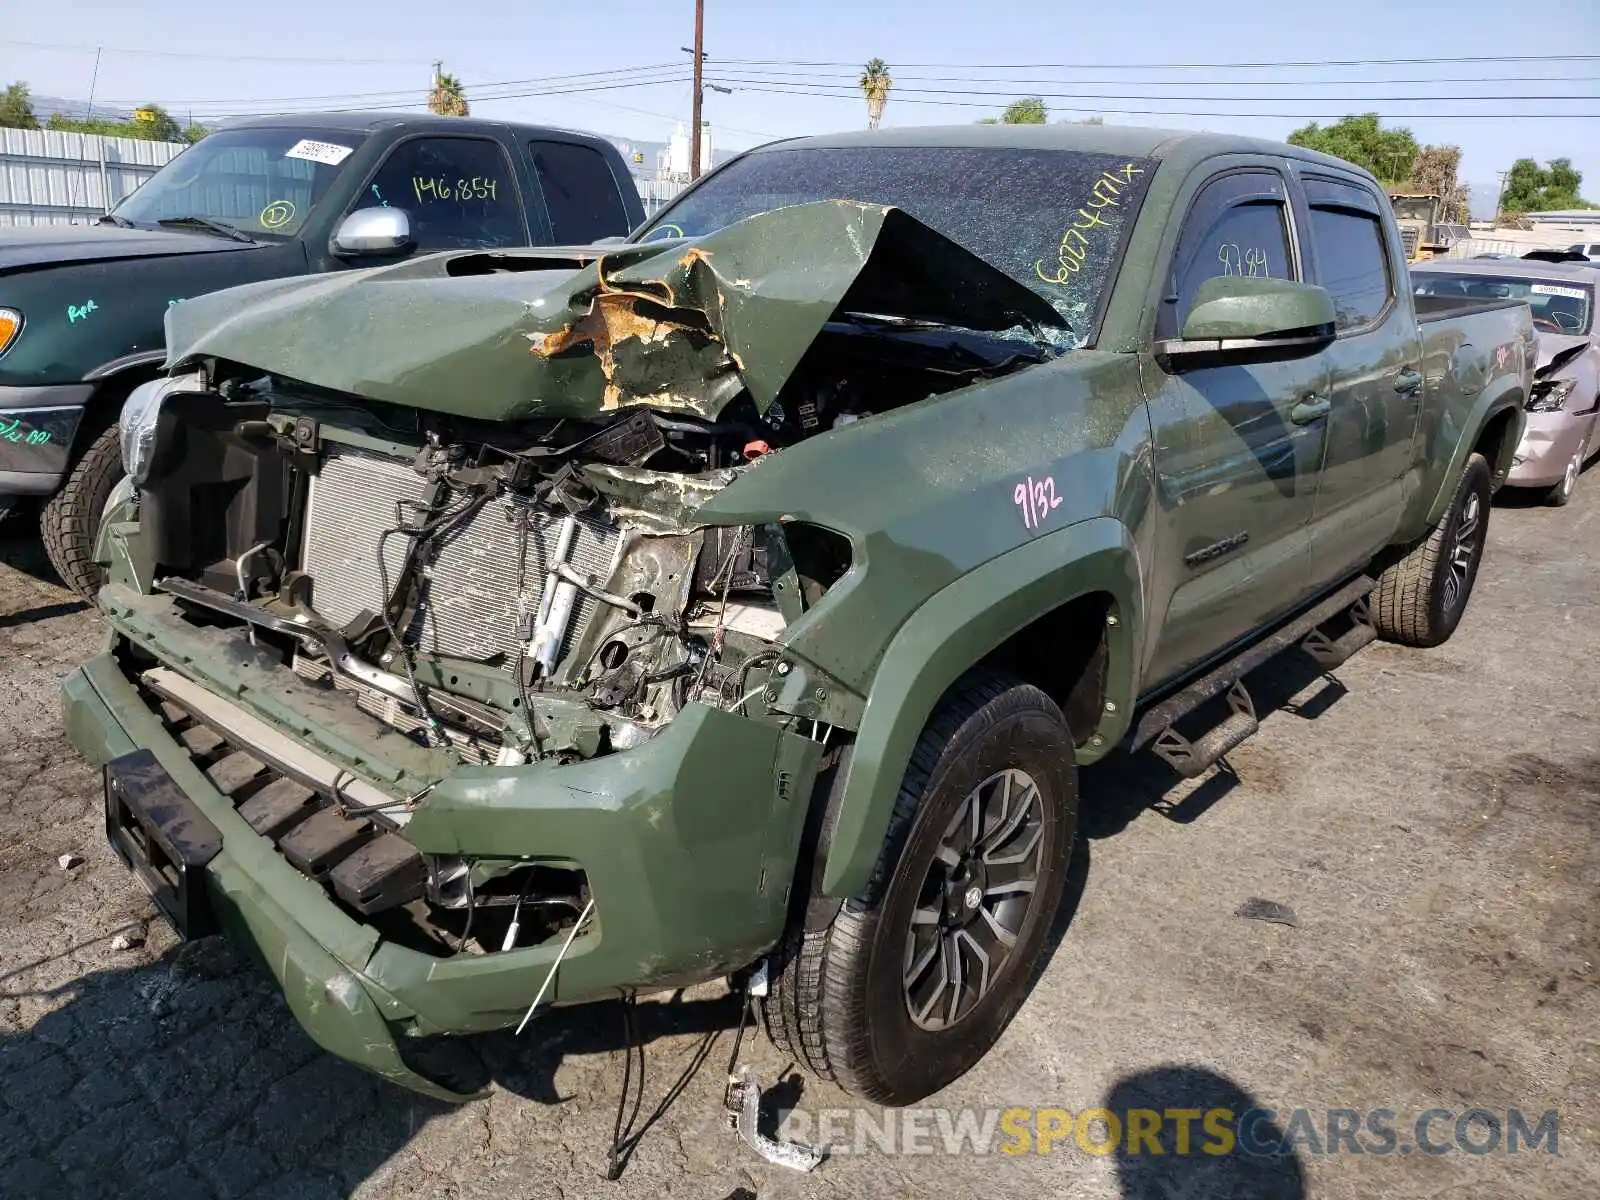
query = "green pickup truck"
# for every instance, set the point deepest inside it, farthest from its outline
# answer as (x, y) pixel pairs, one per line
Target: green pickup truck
(81, 307)
(516, 628)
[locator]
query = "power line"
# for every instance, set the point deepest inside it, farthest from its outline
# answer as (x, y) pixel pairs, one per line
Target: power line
(1011, 93)
(1252, 83)
(422, 103)
(1170, 66)
(1157, 112)
(391, 62)
(393, 92)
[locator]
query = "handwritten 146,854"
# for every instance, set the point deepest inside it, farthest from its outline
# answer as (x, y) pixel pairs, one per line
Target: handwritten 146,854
(1035, 499)
(476, 188)
(1073, 250)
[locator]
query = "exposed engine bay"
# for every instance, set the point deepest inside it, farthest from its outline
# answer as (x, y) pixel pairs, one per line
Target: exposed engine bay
(538, 588)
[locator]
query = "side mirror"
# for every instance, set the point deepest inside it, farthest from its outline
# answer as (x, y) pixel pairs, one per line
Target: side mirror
(1255, 318)
(373, 231)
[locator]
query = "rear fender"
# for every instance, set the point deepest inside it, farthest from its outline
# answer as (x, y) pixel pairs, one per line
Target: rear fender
(1489, 405)
(953, 632)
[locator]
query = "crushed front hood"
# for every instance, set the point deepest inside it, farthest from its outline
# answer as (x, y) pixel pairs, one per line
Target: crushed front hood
(1556, 349)
(685, 324)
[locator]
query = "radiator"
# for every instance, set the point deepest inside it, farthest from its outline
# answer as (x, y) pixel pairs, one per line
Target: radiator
(469, 603)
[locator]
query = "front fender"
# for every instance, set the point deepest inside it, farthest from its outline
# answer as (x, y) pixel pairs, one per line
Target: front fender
(952, 632)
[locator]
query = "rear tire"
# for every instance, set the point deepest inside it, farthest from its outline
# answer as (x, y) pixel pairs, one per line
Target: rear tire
(71, 519)
(1420, 599)
(994, 769)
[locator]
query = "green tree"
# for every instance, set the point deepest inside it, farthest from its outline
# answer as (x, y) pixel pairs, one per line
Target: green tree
(157, 123)
(1434, 174)
(16, 108)
(1390, 154)
(1030, 110)
(875, 85)
(447, 99)
(1531, 188)
(193, 132)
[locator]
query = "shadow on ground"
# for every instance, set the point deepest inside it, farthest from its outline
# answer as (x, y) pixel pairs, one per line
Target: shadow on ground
(1193, 1164)
(189, 1077)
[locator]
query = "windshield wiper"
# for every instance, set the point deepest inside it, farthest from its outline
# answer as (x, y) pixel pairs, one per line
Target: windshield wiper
(114, 219)
(220, 228)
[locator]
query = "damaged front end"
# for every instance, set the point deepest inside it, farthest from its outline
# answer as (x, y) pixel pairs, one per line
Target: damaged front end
(467, 655)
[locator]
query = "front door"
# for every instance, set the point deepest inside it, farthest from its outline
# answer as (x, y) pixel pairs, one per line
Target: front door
(1238, 447)
(1375, 366)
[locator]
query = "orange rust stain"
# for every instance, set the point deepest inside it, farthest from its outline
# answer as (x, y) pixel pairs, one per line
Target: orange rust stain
(612, 318)
(695, 255)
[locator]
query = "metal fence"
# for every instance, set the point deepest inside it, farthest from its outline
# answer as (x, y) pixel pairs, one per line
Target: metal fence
(53, 178)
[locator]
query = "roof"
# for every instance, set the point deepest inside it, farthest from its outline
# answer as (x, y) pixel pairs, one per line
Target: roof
(1503, 268)
(372, 122)
(1133, 141)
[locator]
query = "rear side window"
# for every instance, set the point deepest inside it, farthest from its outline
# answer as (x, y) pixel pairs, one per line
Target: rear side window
(1352, 262)
(580, 192)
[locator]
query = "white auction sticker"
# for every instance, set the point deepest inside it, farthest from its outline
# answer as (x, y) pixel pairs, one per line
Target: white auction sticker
(323, 152)
(1552, 289)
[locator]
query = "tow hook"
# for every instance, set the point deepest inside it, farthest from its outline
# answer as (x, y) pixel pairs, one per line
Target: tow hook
(743, 1103)
(742, 1100)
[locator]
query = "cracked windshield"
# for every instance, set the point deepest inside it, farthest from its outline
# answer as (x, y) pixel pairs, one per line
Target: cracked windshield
(1051, 219)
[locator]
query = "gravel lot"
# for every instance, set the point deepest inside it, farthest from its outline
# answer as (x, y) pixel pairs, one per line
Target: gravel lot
(1430, 817)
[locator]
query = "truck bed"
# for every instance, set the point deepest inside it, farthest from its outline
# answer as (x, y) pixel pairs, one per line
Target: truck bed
(1438, 308)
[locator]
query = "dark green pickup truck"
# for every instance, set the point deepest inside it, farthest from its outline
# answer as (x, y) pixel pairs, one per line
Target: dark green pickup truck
(522, 627)
(81, 307)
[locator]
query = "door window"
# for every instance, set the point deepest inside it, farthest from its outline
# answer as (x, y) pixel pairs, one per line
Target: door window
(580, 193)
(1238, 225)
(1352, 263)
(460, 193)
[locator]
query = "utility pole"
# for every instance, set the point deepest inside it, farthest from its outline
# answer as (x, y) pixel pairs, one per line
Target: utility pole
(699, 57)
(1501, 194)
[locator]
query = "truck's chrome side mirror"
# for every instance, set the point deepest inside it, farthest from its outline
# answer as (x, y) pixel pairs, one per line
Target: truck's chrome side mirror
(373, 231)
(1255, 318)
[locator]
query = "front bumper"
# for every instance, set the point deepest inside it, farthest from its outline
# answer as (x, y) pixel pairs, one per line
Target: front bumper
(688, 842)
(37, 426)
(1549, 440)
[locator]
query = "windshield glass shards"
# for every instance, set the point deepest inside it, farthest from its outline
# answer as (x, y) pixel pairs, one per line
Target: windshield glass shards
(1051, 219)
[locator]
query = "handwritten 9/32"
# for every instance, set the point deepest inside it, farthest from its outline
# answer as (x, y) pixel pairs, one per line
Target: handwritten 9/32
(1035, 500)
(1074, 248)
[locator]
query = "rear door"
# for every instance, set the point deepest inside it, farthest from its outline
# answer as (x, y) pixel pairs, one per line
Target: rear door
(582, 196)
(1375, 381)
(1237, 456)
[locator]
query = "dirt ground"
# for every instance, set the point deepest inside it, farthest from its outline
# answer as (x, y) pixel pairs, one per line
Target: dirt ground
(1429, 817)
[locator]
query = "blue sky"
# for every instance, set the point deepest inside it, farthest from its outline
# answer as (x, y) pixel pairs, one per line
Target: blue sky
(207, 60)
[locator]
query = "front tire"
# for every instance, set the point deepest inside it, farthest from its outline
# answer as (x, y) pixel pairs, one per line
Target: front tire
(914, 981)
(1561, 495)
(71, 519)
(1420, 599)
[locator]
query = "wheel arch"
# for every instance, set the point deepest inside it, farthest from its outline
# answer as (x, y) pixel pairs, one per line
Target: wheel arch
(1025, 611)
(113, 380)
(1493, 430)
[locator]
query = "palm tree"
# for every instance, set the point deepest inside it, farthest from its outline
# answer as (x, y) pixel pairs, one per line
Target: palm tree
(875, 85)
(446, 98)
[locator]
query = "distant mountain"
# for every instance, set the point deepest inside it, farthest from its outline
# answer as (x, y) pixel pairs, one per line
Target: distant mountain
(45, 107)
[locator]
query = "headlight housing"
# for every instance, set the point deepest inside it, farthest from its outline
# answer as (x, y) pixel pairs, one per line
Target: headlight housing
(10, 326)
(1550, 394)
(140, 412)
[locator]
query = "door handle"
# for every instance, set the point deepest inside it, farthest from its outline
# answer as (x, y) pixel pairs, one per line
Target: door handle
(1408, 380)
(1312, 408)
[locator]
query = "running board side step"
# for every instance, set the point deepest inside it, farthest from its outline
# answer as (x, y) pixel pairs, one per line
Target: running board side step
(1329, 653)
(1192, 758)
